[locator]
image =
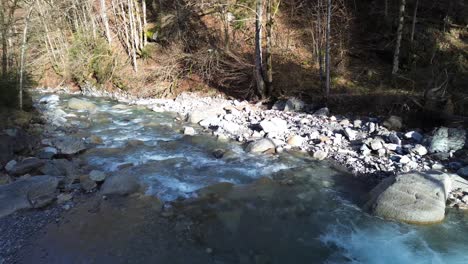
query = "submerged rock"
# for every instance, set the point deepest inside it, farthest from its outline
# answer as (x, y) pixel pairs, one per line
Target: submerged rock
(79, 104)
(33, 192)
(417, 197)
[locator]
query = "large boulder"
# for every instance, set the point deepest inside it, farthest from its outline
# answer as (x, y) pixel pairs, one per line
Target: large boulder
(416, 197)
(264, 145)
(79, 104)
(123, 183)
(393, 123)
(69, 145)
(447, 140)
(34, 192)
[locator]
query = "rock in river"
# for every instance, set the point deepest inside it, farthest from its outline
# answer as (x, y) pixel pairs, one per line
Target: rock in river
(79, 104)
(121, 183)
(264, 145)
(417, 197)
(34, 192)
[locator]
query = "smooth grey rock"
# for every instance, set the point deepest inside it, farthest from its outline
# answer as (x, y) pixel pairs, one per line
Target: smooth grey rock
(47, 153)
(275, 125)
(322, 112)
(279, 105)
(262, 146)
(87, 184)
(417, 198)
(405, 159)
(97, 176)
(69, 145)
(293, 105)
(27, 165)
(463, 172)
(10, 165)
(80, 104)
(121, 183)
(447, 139)
(393, 138)
(393, 123)
(33, 192)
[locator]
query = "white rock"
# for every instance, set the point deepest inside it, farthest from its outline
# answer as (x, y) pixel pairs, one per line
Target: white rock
(405, 160)
(190, 131)
(376, 144)
(47, 99)
(420, 150)
(350, 134)
(276, 125)
(357, 123)
(295, 141)
(320, 155)
(391, 146)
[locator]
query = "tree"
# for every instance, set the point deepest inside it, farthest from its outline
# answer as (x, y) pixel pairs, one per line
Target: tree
(327, 52)
(258, 50)
(23, 51)
(401, 20)
(7, 12)
(413, 27)
(105, 20)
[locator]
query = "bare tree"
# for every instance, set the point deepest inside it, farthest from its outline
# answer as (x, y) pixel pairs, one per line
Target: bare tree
(23, 51)
(327, 52)
(7, 11)
(272, 8)
(413, 27)
(105, 21)
(401, 20)
(258, 50)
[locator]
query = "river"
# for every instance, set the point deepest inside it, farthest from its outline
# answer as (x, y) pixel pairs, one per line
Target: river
(285, 208)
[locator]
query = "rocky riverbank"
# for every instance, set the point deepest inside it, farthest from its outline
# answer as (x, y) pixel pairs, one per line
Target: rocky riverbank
(376, 147)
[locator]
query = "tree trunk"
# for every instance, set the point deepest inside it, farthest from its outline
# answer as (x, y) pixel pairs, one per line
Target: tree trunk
(4, 51)
(269, 47)
(413, 27)
(23, 51)
(327, 52)
(320, 43)
(258, 50)
(396, 57)
(105, 21)
(145, 22)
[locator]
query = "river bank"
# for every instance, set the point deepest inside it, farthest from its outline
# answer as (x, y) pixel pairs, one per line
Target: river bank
(93, 145)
